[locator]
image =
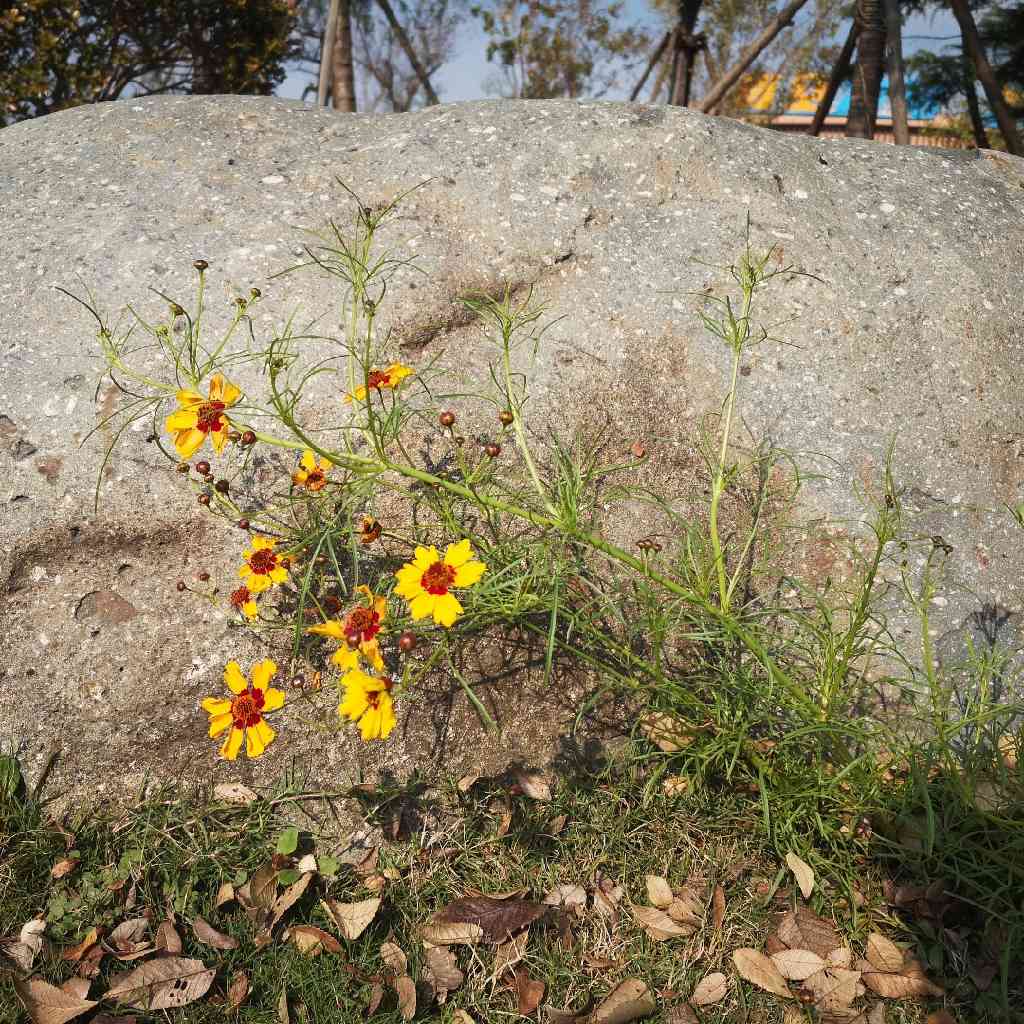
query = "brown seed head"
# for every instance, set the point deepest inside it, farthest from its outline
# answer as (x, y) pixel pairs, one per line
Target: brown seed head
(248, 437)
(183, 468)
(447, 419)
(203, 499)
(203, 467)
(200, 265)
(221, 486)
(505, 418)
(243, 524)
(407, 642)
(493, 450)
(181, 586)
(204, 576)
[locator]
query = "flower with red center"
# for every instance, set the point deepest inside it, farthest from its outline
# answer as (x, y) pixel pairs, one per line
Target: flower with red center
(199, 418)
(243, 715)
(361, 624)
(368, 701)
(379, 381)
(310, 475)
(263, 566)
(241, 600)
(426, 582)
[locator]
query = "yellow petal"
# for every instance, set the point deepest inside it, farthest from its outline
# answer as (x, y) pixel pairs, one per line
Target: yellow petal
(278, 575)
(216, 705)
(469, 573)
(447, 609)
(183, 419)
(422, 605)
(371, 651)
(187, 398)
(263, 673)
(219, 438)
(426, 557)
(188, 442)
(232, 744)
(257, 584)
(326, 465)
(264, 543)
(222, 390)
(233, 678)
(397, 372)
(458, 554)
(308, 460)
(299, 477)
(359, 680)
(409, 581)
(380, 606)
(249, 610)
(258, 737)
(378, 721)
(353, 705)
(345, 658)
(273, 699)
(220, 722)
(332, 628)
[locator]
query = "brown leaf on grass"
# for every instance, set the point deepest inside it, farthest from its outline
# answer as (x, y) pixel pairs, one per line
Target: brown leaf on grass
(311, 940)
(78, 987)
(461, 1017)
(797, 964)
(307, 864)
(600, 963)
(833, 989)
(367, 865)
(803, 929)
(375, 998)
(803, 874)
(75, 953)
(16, 954)
(128, 935)
(899, 986)
(33, 934)
(761, 971)
(711, 989)
(162, 984)
(261, 890)
(567, 895)
(466, 783)
(451, 933)
(883, 954)
(238, 990)
(841, 957)
(235, 793)
(441, 972)
(940, 1017)
(665, 732)
(352, 919)
(405, 989)
(676, 785)
(225, 894)
(209, 936)
(773, 944)
(638, 449)
(681, 1013)
(287, 900)
(659, 892)
(658, 925)
(529, 992)
(630, 1000)
(64, 867)
(394, 959)
(718, 908)
(497, 919)
(534, 785)
(509, 953)
(607, 896)
(283, 1016)
(47, 1004)
(557, 824)
(167, 939)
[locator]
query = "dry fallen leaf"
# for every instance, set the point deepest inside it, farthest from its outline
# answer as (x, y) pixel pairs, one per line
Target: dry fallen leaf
(718, 908)
(841, 957)
(833, 989)
(235, 793)
(32, 934)
(287, 900)
(497, 919)
(803, 874)
(658, 925)
(311, 940)
(441, 971)
(306, 864)
(803, 929)
(162, 984)
(687, 907)
(47, 1004)
(629, 1000)
(529, 992)
(509, 953)
(405, 989)
(225, 894)
(64, 867)
(797, 964)
(534, 785)
(465, 784)
(761, 971)
(283, 1016)
(167, 939)
(681, 1013)
(394, 959)
(446, 933)
(375, 998)
(262, 887)
(899, 986)
(16, 954)
(659, 892)
(711, 989)
(667, 733)
(209, 936)
(883, 954)
(78, 987)
(238, 990)
(939, 1017)
(352, 919)
(567, 895)
(607, 896)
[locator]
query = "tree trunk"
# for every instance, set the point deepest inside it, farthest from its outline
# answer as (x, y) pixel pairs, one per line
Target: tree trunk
(839, 73)
(685, 50)
(326, 50)
(655, 57)
(751, 53)
(343, 78)
(867, 75)
(410, 53)
(973, 106)
(982, 68)
(659, 81)
(897, 87)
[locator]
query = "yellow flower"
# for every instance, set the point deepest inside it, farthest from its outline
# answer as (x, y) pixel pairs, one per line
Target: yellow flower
(242, 600)
(199, 417)
(378, 380)
(426, 581)
(263, 567)
(357, 632)
(309, 474)
(368, 701)
(243, 715)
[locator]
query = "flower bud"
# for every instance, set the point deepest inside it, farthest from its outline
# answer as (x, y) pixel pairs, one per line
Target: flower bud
(407, 642)
(505, 418)
(183, 467)
(200, 265)
(254, 293)
(248, 437)
(203, 468)
(203, 499)
(221, 486)
(208, 479)
(181, 586)
(493, 450)
(447, 419)
(176, 310)
(204, 577)
(243, 524)
(298, 681)
(353, 639)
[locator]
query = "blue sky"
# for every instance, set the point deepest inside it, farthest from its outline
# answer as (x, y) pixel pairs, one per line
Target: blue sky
(463, 78)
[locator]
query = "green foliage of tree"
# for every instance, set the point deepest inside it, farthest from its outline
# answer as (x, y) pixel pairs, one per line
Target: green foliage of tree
(559, 48)
(56, 54)
(1002, 33)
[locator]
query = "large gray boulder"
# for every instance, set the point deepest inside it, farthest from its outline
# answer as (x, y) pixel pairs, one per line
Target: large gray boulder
(911, 328)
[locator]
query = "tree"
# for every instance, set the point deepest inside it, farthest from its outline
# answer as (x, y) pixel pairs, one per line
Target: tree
(867, 72)
(56, 54)
(944, 80)
(897, 87)
(559, 48)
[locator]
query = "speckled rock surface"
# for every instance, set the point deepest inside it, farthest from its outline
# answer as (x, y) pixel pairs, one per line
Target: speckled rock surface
(912, 328)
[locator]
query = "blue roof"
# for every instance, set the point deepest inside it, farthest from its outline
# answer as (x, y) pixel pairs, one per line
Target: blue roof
(915, 111)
